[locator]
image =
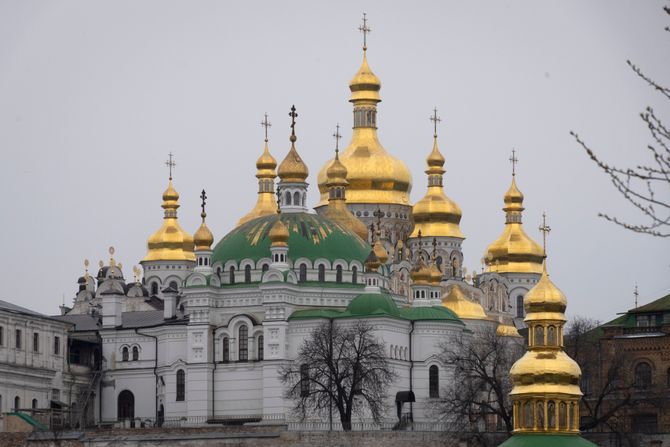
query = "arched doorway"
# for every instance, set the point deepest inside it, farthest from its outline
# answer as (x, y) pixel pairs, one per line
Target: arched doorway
(126, 407)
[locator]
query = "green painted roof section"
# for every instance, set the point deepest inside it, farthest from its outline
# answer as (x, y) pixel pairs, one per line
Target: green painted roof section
(310, 236)
(306, 314)
(369, 304)
(35, 423)
(546, 440)
(659, 305)
(434, 313)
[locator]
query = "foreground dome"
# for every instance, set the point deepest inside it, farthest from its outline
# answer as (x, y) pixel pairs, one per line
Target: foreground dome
(310, 236)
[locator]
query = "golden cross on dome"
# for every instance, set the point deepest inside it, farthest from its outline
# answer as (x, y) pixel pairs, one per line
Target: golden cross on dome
(514, 161)
(379, 214)
(293, 116)
(365, 30)
(637, 294)
(434, 249)
(278, 200)
(435, 119)
(265, 123)
(337, 137)
(545, 229)
(203, 196)
(170, 163)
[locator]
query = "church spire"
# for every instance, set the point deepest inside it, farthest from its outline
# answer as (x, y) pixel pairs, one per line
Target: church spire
(292, 174)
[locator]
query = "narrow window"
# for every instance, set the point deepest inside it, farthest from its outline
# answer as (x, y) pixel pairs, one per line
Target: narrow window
(528, 415)
(539, 336)
(304, 380)
(642, 375)
(231, 278)
(226, 349)
(296, 198)
(34, 404)
(338, 274)
(17, 403)
(303, 273)
(124, 354)
(247, 274)
(136, 353)
(265, 268)
(57, 345)
(36, 342)
(244, 343)
(288, 198)
(154, 288)
(354, 275)
(181, 385)
(540, 415)
(18, 339)
(174, 285)
(322, 273)
(2, 337)
(261, 349)
(433, 382)
(519, 306)
(551, 414)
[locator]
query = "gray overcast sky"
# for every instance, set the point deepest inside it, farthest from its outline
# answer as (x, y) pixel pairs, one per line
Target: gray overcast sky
(93, 95)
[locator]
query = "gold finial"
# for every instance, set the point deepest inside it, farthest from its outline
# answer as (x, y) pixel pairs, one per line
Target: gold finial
(545, 229)
(170, 163)
(293, 116)
(636, 294)
(203, 197)
(365, 30)
(278, 200)
(111, 257)
(435, 119)
(136, 274)
(119, 265)
(337, 137)
(266, 124)
(434, 255)
(86, 276)
(514, 160)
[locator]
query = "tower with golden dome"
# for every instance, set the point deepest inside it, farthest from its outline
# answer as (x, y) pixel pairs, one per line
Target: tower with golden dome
(377, 180)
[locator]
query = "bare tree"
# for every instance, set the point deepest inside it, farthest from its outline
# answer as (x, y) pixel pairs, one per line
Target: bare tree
(341, 365)
(645, 186)
(481, 384)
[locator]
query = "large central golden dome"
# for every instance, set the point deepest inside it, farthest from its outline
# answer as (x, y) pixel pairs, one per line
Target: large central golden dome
(373, 174)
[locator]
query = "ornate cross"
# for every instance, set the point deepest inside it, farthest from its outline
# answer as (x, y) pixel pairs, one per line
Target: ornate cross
(378, 214)
(365, 30)
(203, 196)
(434, 249)
(170, 164)
(545, 229)
(435, 119)
(337, 137)
(293, 116)
(637, 294)
(278, 200)
(514, 161)
(265, 123)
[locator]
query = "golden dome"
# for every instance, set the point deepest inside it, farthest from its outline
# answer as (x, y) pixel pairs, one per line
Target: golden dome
(380, 251)
(435, 214)
(170, 242)
(337, 210)
(541, 372)
(374, 175)
(420, 274)
(545, 298)
(203, 238)
(266, 203)
(292, 169)
(506, 330)
(514, 251)
(435, 274)
(457, 302)
(279, 233)
(372, 262)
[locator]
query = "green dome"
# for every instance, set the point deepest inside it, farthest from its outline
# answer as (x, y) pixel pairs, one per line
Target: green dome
(369, 304)
(310, 236)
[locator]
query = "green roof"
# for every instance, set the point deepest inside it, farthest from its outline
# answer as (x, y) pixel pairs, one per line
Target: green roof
(30, 420)
(434, 313)
(659, 305)
(546, 440)
(310, 236)
(369, 304)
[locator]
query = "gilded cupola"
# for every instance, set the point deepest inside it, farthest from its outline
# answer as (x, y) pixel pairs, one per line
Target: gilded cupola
(420, 274)
(279, 233)
(203, 238)
(265, 173)
(435, 214)
(375, 176)
(337, 210)
(514, 251)
(456, 301)
(292, 169)
(170, 242)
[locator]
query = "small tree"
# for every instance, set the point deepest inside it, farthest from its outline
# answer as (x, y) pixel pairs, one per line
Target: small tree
(481, 384)
(645, 186)
(341, 365)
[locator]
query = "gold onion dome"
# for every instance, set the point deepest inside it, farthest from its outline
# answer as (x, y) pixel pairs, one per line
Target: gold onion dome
(279, 233)
(380, 251)
(266, 203)
(457, 302)
(337, 210)
(372, 262)
(435, 214)
(374, 175)
(170, 242)
(420, 274)
(545, 298)
(292, 169)
(514, 251)
(435, 274)
(507, 330)
(203, 238)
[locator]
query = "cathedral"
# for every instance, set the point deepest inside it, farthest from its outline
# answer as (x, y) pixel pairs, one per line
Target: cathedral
(201, 331)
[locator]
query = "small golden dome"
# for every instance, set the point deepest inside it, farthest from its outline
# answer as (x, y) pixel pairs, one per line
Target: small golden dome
(170, 242)
(279, 233)
(545, 297)
(203, 238)
(435, 274)
(514, 251)
(506, 330)
(457, 302)
(292, 169)
(372, 262)
(266, 203)
(435, 214)
(380, 251)
(420, 274)
(336, 174)
(266, 164)
(365, 85)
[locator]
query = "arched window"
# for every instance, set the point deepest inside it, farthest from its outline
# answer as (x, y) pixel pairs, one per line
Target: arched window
(247, 273)
(539, 336)
(124, 354)
(231, 275)
(261, 348)
(354, 275)
(540, 415)
(338, 274)
(17, 402)
(519, 306)
(226, 349)
(433, 382)
(562, 416)
(296, 198)
(154, 288)
(303, 273)
(265, 268)
(304, 380)
(288, 198)
(322, 273)
(438, 261)
(304, 199)
(551, 336)
(243, 337)
(528, 415)
(181, 385)
(174, 285)
(136, 353)
(34, 405)
(551, 414)
(126, 405)
(643, 375)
